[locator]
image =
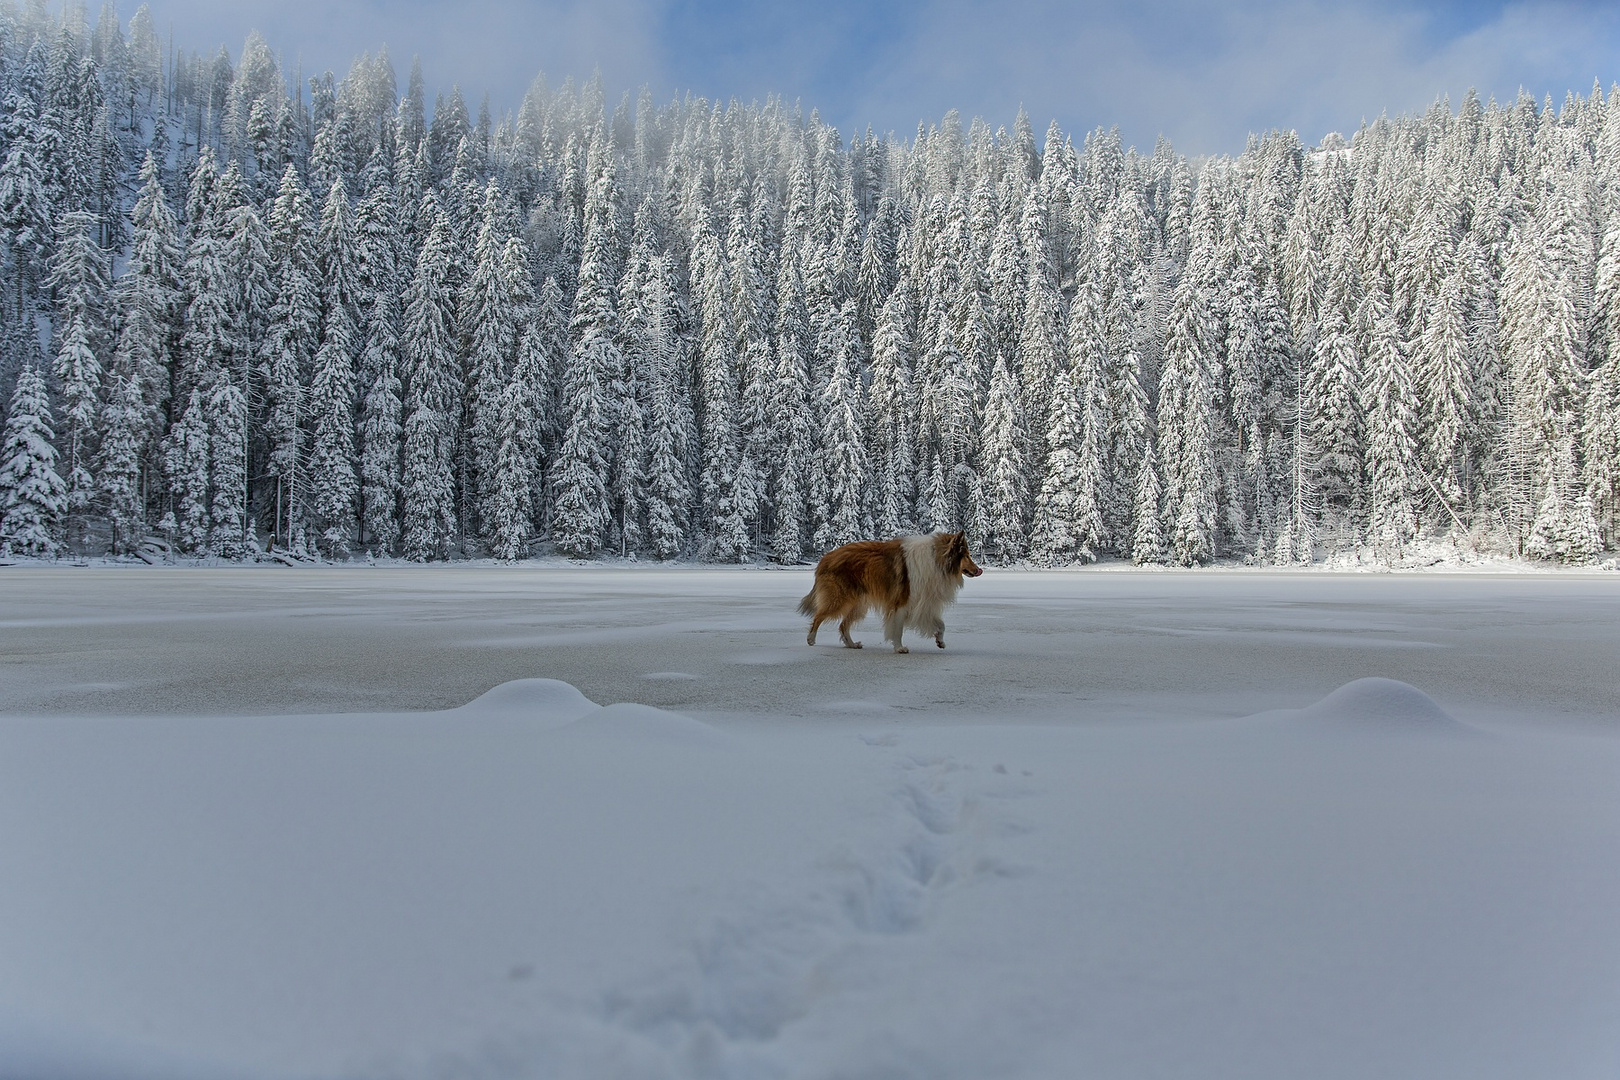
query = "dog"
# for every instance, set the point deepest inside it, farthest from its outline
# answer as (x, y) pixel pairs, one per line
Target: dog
(910, 579)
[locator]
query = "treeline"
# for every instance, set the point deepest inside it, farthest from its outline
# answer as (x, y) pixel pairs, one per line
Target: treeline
(245, 309)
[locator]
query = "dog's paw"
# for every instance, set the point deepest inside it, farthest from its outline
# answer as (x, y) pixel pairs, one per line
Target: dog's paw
(901, 649)
(940, 642)
(852, 644)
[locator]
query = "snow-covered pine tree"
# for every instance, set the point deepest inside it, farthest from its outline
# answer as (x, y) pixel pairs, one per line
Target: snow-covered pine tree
(288, 352)
(1185, 405)
(1600, 432)
(580, 470)
(549, 323)
(1390, 407)
(669, 414)
(80, 278)
(509, 514)
(1564, 527)
(149, 298)
(25, 203)
(628, 472)
(1003, 470)
(791, 482)
(490, 314)
(893, 407)
(125, 427)
(1098, 375)
(1333, 422)
(1147, 544)
(751, 321)
(332, 479)
(717, 388)
(226, 410)
(381, 427)
(510, 517)
(842, 515)
(1541, 341)
(431, 404)
(1068, 522)
(1443, 370)
(186, 463)
(32, 494)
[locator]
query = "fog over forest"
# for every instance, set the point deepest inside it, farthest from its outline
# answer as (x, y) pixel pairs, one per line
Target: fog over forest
(333, 317)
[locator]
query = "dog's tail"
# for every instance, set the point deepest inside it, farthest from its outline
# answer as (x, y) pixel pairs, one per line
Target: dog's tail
(807, 606)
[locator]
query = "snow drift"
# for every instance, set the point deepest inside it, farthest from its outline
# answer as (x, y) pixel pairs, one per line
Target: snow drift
(531, 885)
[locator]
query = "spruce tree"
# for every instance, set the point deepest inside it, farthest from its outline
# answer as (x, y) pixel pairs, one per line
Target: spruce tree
(186, 463)
(226, 414)
(1391, 431)
(893, 406)
(25, 203)
(80, 278)
(381, 422)
(431, 402)
(333, 483)
(287, 356)
(669, 415)
(842, 514)
(1002, 469)
(1147, 545)
(1540, 332)
(126, 427)
(510, 514)
(32, 495)
(791, 406)
(1185, 432)
(580, 469)
(717, 382)
(149, 298)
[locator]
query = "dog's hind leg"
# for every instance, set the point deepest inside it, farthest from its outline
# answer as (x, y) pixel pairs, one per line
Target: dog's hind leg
(843, 629)
(815, 624)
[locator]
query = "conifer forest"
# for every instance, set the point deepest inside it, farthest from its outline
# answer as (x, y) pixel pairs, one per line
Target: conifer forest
(247, 310)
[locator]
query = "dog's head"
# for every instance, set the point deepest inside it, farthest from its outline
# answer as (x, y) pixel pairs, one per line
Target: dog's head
(954, 555)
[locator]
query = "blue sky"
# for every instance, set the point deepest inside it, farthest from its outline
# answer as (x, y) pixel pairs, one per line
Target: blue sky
(1205, 74)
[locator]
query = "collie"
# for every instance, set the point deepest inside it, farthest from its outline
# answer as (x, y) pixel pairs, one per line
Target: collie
(909, 579)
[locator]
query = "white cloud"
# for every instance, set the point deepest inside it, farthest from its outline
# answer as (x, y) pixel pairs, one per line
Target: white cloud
(1206, 75)
(1203, 73)
(483, 45)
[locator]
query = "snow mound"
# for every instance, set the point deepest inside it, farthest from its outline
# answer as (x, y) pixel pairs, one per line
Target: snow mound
(551, 703)
(641, 723)
(1382, 704)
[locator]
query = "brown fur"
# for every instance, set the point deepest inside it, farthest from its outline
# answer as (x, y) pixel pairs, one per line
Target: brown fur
(909, 579)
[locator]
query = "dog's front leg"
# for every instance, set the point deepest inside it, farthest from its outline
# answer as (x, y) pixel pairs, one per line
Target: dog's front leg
(939, 633)
(893, 627)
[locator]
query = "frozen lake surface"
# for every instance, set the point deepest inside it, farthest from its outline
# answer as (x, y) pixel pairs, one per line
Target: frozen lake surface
(1081, 646)
(357, 822)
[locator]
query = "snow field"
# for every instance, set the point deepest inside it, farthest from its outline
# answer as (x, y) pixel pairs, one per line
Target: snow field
(531, 886)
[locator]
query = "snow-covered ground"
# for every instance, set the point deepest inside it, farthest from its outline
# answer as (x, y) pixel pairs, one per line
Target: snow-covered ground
(1128, 825)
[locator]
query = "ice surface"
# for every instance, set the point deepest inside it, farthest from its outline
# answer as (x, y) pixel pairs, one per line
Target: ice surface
(1104, 646)
(1383, 877)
